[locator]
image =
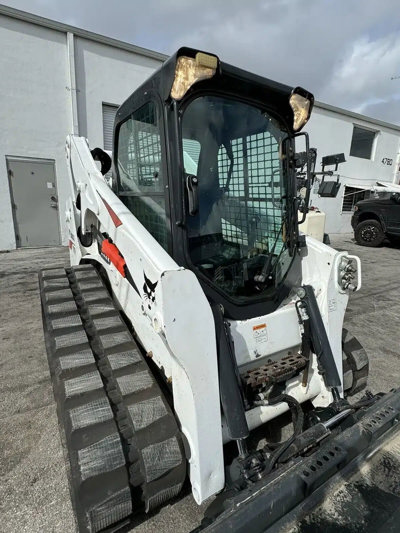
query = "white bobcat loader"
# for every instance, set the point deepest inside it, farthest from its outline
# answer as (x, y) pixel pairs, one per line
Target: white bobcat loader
(194, 313)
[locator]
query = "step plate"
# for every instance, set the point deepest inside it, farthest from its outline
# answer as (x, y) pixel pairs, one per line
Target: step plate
(275, 372)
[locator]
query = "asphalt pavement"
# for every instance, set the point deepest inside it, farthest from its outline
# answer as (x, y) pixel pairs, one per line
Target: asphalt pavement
(34, 494)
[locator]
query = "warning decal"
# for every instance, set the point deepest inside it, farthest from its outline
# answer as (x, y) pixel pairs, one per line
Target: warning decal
(260, 333)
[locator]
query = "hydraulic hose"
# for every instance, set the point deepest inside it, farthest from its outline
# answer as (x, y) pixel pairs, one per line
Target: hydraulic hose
(298, 421)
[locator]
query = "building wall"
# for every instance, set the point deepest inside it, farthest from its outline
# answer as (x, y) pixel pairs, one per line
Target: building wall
(34, 105)
(331, 132)
(36, 94)
(105, 75)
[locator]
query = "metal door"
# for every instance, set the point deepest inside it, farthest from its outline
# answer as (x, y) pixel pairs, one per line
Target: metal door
(34, 201)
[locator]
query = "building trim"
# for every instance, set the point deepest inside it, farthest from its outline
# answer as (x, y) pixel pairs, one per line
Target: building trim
(357, 116)
(27, 159)
(79, 32)
(72, 82)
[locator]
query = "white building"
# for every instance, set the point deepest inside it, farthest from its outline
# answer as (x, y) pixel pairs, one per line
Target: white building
(372, 151)
(54, 80)
(57, 79)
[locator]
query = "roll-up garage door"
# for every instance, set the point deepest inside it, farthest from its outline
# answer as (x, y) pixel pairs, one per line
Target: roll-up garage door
(109, 112)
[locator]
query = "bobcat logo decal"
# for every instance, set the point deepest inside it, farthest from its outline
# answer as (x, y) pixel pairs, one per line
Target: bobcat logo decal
(149, 287)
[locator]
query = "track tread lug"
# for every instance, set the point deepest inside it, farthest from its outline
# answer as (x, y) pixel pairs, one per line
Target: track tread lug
(98, 475)
(120, 427)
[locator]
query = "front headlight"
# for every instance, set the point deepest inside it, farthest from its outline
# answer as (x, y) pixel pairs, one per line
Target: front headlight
(301, 102)
(355, 208)
(190, 70)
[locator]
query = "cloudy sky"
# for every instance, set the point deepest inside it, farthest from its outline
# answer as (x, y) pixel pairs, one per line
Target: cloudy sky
(344, 51)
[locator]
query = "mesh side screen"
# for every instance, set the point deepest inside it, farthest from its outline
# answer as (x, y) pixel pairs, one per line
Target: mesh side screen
(255, 189)
(139, 152)
(115, 508)
(134, 382)
(140, 171)
(90, 413)
(145, 413)
(103, 456)
(161, 457)
(150, 211)
(81, 384)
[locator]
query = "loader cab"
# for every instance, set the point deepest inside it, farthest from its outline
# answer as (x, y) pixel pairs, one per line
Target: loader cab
(204, 160)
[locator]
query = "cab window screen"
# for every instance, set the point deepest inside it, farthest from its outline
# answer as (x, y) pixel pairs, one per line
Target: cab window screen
(238, 229)
(139, 153)
(256, 183)
(140, 173)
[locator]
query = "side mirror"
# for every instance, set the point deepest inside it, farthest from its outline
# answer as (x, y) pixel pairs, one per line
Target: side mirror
(333, 159)
(328, 189)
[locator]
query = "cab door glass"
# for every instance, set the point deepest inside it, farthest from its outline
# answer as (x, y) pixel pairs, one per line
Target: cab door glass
(141, 185)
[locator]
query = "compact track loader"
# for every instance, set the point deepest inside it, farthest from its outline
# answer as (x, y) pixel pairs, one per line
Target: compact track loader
(194, 312)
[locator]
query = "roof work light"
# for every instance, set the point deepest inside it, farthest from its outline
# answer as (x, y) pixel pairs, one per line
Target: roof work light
(190, 70)
(301, 102)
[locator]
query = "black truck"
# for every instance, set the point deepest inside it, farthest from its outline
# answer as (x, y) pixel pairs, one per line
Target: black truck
(376, 219)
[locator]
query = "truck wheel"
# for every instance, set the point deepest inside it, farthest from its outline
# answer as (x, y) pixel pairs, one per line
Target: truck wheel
(369, 233)
(355, 364)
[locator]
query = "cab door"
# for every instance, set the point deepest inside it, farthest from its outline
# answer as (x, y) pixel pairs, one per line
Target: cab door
(141, 170)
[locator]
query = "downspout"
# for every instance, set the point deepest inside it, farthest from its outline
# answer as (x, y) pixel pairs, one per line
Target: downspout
(396, 175)
(72, 82)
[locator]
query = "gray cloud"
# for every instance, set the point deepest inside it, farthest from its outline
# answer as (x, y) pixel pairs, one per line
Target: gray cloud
(345, 51)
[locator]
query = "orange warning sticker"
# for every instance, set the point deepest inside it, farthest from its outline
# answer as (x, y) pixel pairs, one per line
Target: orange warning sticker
(260, 333)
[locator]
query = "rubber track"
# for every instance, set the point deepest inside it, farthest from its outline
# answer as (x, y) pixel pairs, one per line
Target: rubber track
(355, 364)
(122, 438)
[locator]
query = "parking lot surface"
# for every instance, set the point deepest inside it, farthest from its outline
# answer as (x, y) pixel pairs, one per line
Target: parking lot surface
(34, 495)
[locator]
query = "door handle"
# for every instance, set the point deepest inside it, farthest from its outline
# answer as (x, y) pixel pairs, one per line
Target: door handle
(192, 184)
(54, 202)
